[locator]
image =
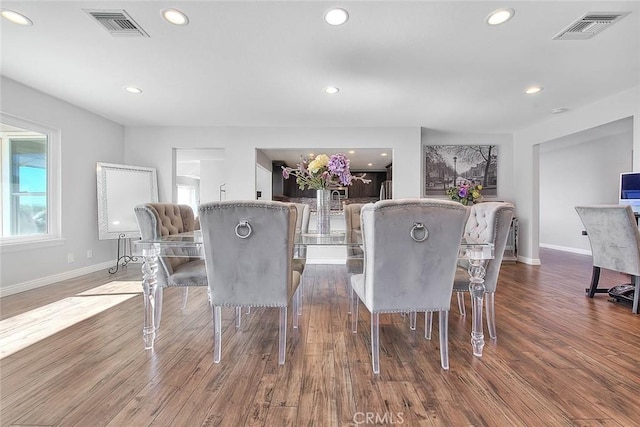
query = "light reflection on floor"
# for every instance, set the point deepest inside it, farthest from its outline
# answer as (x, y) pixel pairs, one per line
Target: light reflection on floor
(25, 329)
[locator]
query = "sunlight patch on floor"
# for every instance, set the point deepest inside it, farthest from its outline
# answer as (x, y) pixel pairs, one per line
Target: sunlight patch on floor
(25, 329)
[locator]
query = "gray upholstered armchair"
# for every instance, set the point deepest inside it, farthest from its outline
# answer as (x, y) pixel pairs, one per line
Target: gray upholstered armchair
(248, 248)
(488, 222)
(410, 256)
(162, 219)
(615, 243)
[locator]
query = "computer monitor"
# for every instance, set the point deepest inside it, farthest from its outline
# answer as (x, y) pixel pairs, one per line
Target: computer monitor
(630, 190)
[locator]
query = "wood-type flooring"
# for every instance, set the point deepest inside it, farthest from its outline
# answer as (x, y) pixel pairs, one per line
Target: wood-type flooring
(561, 359)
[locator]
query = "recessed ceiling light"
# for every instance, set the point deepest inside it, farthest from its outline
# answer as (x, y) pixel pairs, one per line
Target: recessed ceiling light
(369, 164)
(533, 89)
(336, 16)
(352, 151)
(175, 17)
(132, 89)
(383, 154)
(559, 110)
(331, 90)
(500, 16)
(15, 17)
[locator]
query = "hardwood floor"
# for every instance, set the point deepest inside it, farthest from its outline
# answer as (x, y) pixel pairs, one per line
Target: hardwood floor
(560, 359)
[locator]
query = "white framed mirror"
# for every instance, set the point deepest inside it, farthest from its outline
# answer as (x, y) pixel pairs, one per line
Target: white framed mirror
(120, 189)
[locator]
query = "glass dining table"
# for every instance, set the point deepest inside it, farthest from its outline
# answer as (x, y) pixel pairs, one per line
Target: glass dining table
(190, 245)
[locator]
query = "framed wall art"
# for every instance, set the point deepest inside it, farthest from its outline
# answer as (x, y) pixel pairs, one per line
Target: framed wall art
(120, 189)
(447, 166)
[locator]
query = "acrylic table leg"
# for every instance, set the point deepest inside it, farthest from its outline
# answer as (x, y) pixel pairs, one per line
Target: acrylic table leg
(149, 288)
(476, 289)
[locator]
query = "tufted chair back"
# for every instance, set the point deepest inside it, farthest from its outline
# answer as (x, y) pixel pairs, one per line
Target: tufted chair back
(354, 233)
(164, 219)
(352, 216)
(302, 226)
(490, 222)
(302, 219)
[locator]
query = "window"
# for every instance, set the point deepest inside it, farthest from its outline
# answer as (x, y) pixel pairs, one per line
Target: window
(28, 154)
(187, 196)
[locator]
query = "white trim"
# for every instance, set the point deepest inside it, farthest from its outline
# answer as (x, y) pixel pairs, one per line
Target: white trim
(530, 261)
(44, 281)
(54, 181)
(566, 249)
(25, 245)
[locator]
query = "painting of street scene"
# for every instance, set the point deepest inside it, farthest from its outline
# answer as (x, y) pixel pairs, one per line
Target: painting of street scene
(450, 165)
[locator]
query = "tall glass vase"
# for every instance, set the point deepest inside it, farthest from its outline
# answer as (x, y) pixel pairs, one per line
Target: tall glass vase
(323, 211)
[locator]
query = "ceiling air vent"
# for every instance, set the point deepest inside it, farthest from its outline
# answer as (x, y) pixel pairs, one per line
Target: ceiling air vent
(117, 22)
(589, 25)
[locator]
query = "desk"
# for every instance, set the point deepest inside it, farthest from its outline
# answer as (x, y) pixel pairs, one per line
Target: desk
(190, 245)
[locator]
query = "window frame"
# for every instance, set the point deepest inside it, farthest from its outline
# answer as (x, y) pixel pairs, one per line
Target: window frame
(53, 236)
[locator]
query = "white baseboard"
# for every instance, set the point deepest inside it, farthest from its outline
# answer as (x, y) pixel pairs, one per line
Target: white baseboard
(530, 261)
(566, 249)
(44, 281)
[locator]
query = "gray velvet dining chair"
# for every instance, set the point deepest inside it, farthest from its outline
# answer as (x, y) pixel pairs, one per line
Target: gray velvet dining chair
(248, 248)
(410, 256)
(488, 222)
(156, 220)
(615, 243)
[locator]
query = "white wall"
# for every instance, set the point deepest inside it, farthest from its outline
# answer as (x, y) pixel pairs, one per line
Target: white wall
(88, 138)
(85, 140)
(152, 147)
(525, 159)
(213, 174)
(263, 182)
(580, 169)
(505, 154)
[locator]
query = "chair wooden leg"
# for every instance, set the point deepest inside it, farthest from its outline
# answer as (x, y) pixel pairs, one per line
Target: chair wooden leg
(282, 335)
(217, 333)
(375, 342)
(461, 308)
(428, 323)
(490, 308)
(444, 338)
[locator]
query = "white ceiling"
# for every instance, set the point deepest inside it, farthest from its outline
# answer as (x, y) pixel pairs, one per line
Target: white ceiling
(430, 64)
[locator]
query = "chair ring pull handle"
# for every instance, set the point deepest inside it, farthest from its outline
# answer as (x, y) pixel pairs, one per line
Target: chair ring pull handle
(243, 224)
(419, 226)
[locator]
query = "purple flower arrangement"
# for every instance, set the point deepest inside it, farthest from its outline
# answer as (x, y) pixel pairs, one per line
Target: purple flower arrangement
(323, 172)
(466, 193)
